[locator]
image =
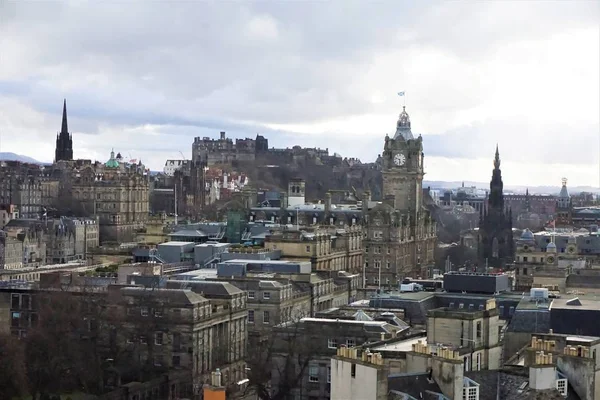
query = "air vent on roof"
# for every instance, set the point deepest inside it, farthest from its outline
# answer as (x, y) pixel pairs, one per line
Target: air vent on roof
(574, 302)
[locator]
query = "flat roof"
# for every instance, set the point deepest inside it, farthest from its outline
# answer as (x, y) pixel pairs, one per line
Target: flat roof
(586, 304)
(345, 321)
(199, 272)
(175, 243)
(275, 262)
(213, 245)
(402, 345)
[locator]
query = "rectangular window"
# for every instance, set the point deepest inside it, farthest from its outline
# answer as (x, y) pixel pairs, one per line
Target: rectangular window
(14, 304)
(158, 338)
(478, 329)
(353, 371)
(143, 340)
(144, 311)
(176, 341)
(15, 320)
(176, 361)
(524, 259)
(250, 316)
(313, 373)
(524, 271)
(266, 317)
(251, 294)
(25, 302)
(158, 313)
(308, 249)
(350, 343)
(332, 343)
(266, 295)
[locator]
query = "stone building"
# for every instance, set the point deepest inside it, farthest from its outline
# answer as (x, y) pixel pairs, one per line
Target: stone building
(223, 150)
(496, 247)
(21, 187)
(474, 333)
(162, 329)
(399, 232)
(117, 194)
(272, 302)
(326, 249)
(315, 341)
(199, 329)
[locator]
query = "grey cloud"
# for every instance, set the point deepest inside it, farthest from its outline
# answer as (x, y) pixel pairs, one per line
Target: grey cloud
(194, 67)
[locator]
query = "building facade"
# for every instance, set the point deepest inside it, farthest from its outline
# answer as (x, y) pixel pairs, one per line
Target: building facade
(399, 232)
(117, 194)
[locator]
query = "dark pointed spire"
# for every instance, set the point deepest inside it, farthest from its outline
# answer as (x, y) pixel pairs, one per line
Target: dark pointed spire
(497, 158)
(64, 141)
(65, 128)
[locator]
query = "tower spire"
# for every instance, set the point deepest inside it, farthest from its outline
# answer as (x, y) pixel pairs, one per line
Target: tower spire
(497, 158)
(64, 141)
(65, 128)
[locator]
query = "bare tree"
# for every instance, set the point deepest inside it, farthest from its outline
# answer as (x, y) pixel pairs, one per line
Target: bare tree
(13, 377)
(56, 357)
(279, 361)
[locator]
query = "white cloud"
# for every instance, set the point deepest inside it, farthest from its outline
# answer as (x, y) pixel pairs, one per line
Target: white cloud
(147, 78)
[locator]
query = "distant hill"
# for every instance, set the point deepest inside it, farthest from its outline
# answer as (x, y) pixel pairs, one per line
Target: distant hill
(5, 156)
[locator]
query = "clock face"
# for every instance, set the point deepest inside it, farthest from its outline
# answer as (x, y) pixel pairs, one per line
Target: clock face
(399, 159)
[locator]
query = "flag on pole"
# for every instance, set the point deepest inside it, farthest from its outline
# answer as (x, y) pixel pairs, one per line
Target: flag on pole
(400, 94)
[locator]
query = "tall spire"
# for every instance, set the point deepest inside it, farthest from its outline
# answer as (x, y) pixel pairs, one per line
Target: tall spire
(497, 158)
(64, 141)
(65, 128)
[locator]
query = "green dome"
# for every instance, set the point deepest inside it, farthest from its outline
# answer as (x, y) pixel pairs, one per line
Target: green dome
(112, 163)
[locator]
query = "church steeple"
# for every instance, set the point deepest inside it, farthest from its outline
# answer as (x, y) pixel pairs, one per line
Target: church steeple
(64, 140)
(497, 159)
(65, 127)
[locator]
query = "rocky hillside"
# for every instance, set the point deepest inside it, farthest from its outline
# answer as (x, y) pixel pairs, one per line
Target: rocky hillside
(272, 172)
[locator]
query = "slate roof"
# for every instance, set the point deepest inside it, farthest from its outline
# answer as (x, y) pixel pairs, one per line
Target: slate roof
(416, 385)
(189, 233)
(530, 321)
(207, 288)
(511, 380)
(173, 296)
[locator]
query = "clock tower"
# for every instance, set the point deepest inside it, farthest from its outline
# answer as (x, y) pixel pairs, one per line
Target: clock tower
(403, 168)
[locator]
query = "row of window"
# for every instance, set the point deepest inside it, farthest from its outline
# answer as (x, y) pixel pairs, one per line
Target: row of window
(266, 317)
(159, 339)
(333, 343)
(252, 295)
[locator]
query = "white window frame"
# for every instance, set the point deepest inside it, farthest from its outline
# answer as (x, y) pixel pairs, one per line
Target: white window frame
(313, 373)
(251, 294)
(251, 320)
(266, 295)
(266, 317)
(332, 343)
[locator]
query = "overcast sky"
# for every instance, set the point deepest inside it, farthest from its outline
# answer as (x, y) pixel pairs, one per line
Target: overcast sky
(146, 77)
